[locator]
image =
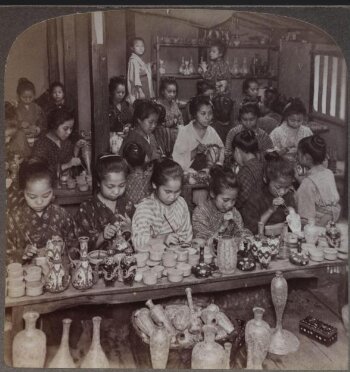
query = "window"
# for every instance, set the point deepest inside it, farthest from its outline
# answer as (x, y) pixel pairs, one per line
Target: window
(329, 86)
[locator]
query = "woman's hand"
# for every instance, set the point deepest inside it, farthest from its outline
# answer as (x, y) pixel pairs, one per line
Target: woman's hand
(277, 202)
(171, 239)
(30, 251)
(125, 223)
(110, 231)
(81, 143)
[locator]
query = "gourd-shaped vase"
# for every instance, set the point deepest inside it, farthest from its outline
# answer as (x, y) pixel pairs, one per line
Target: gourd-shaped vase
(283, 342)
(195, 323)
(311, 231)
(29, 345)
(227, 255)
(257, 338)
(96, 357)
(208, 354)
(159, 344)
(63, 357)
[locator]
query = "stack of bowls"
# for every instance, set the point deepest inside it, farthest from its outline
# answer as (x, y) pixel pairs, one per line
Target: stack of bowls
(15, 280)
(34, 285)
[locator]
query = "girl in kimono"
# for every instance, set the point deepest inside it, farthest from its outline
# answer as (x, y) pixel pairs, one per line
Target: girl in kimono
(164, 216)
(97, 217)
(31, 223)
(140, 84)
(317, 196)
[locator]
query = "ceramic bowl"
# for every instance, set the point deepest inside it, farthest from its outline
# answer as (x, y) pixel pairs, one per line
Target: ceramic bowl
(141, 259)
(316, 254)
(14, 270)
(159, 270)
(330, 254)
(193, 259)
(83, 187)
(15, 282)
(182, 255)
(342, 255)
(185, 268)
(34, 289)
(156, 254)
(175, 275)
(152, 263)
(16, 291)
(149, 277)
(97, 256)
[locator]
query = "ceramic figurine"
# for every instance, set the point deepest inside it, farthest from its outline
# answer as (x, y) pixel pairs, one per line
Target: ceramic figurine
(282, 342)
(333, 235)
(257, 338)
(264, 255)
(227, 255)
(161, 67)
(191, 67)
(186, 69)
(109, 268)
(29, 345)
(159, 344)
(128, 266)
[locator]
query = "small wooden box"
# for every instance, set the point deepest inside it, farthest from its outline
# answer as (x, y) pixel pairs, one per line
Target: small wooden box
(318, 330)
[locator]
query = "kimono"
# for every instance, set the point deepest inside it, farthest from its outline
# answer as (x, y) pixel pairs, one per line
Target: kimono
(23, 223)
(317, 197)
(222, 129)
(153, 218)
(31, 114)
(18, 145)
(92, 217)
(139, 75)
(138, 185)
(119, 118)
(217, 70)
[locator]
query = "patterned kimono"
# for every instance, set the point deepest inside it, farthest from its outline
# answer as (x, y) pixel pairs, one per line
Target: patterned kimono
(217, 70)
(23, 222)
(138, 185)
(119, 118)
(31, 114)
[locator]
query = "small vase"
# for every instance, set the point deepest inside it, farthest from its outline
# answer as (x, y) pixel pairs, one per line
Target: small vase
(257, 338)
(143, 321)
(159, 316)
(311, 232)
(333, 235)
(283, 342)
(29, 345)
(96, 357)
(264, 255)
(63, 357)
(159, 344)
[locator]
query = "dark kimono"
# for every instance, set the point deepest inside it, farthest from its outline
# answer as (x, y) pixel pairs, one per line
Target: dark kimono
(138, 185)
(119, 118)
(23, 222)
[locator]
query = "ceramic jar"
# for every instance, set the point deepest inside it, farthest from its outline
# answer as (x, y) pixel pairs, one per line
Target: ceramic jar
(273, 242)
(128, 266)
(311, 232)
(202, 269)
(257, 338)
(109, 268)
(29, 345)
(208, 354)
(159, 347)
(264, 255)
(143, 321)
(333, 235)
(96, 357)
(224, 322)
(63, 357)
(255, 246)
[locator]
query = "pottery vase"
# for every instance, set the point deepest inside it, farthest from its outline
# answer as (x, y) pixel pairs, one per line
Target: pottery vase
(227, 255)
(109, 268)
(264, 255)
(273, 242)
(311, 232)
(159, 344)
(96, 357)
(159, 316)
(333, 235)
(202, 270)
(228, 348)
(224, 322)
(182, 318)
(257, 338)
(128, 265)
(29, 345)
(143, 321)
(282, 342)
(208, 354)
(63, 357)
(196, 323)
(255, 246)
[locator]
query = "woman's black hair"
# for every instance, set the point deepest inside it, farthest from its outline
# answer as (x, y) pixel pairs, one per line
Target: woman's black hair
(246, 141)
(136, 38)
(34, 170)
(197, 102)
(249, 108)
(246, 83)
(143, 108)
(23, 85)
(164, 170)
(134, 154)
(58, 116)
(221, 178)
(113, 85)
(57, 84)
(161, 113)
(108, 163)
(222, 108)
(164, 82)
(203, 85)
(222, 48)
(294, 107)
(277, 166)
(315, 146)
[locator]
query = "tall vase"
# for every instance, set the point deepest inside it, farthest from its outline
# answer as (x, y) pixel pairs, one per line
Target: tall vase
(96, 357)
(283, 342)
(257, 338)
(227, 255)
(63, 357)
(29, 345)
(159, 344)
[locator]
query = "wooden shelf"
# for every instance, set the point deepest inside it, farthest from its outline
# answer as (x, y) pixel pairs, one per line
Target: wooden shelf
(241, 46)
(197, 76)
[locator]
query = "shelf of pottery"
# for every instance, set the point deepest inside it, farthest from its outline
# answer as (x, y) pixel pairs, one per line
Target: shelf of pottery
(184, 60)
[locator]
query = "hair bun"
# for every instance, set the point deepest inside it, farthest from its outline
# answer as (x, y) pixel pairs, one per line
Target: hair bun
(272, 156)
(318, 142)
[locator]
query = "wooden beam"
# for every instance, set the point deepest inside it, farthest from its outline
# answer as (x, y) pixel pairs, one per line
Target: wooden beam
(52, 51)
(130, 31)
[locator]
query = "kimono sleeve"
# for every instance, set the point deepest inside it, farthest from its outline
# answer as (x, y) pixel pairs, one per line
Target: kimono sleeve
(305, 200)
(239, 229)
(141, 226)
(200, 224)
(185, 229)
(134, 73)
(217, 140)
(182, 148)
(85, 225)
(275, 136)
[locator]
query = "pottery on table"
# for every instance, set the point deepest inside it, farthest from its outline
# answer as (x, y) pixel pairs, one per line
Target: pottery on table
(96, 357)
(224, 322)
(282, 342)
(156, 254)
(144, 321)
(193, 260)
(202, 269)
(182, 318)
(185, 268)
(175, 275)
(29, 345)
(182, 255)
(264, 254)
(330, 254)
(311, 231)
(109, 268)
(17, 291)
(63, 357)
(257, 339)
(159, 270)
(96, 257)
(149, 277)
(209, 316)
(34, 289)
(169, 259)
(159, 344)
(15, 282)
(14, 270)
(245, 263)
(316, 254)
(333, 235)
(273, 242)
(141, 258)
(128, 266)
(159, 316)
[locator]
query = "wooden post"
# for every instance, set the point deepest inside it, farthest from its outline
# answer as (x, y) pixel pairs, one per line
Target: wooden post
(99, 85)
(52, 51)
(129, 31)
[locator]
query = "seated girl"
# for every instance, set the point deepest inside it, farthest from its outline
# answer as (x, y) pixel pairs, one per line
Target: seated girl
(218, 214)
(222, 108)
(317, 196)
(251, 168)
(36, 219)
(97, 217)
(270, 205)
(145, 121)
(163, 216)
(193, 141)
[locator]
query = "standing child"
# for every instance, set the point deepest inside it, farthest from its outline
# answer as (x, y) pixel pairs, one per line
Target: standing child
(218, 214)
(250, 174)
(36, 219)
(222, 108)
(163, 216)
(286, 137)
(96, 217)
(30, 116)
(192, 142)
(269, 205)
(317, 196)
(145, 121)
(140, 84)
(120, 113)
